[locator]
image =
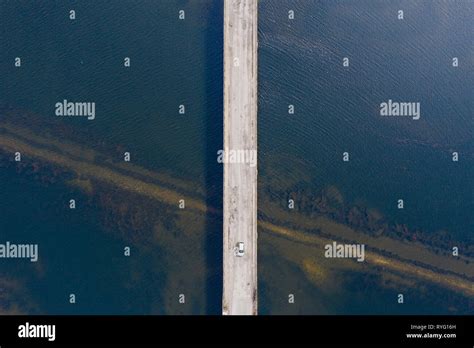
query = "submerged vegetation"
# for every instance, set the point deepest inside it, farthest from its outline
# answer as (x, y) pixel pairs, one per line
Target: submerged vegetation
(144, 208)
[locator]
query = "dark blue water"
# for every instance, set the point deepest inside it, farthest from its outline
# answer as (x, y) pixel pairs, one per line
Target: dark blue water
(173, 62)
(337, 108)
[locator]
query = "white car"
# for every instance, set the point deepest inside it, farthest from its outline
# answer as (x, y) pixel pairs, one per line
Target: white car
(239, 249)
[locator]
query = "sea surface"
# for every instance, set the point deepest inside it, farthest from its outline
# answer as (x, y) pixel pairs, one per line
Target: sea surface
(336, 110)
(173, 62)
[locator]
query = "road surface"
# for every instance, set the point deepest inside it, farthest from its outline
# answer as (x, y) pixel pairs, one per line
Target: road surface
(240, 179)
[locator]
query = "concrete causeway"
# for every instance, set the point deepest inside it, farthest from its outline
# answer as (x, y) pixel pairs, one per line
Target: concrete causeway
(240, 178)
